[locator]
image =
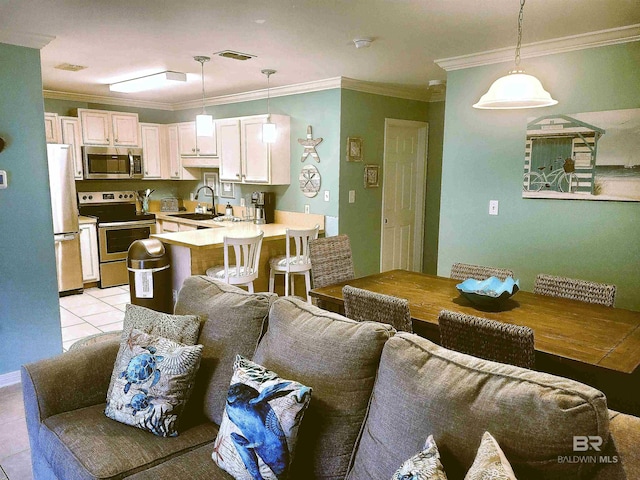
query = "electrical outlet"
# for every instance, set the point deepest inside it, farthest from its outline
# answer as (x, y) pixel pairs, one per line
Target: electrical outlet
(192, 196)
(493, 207)
(352, 196)
(242, 201)
(175, 296)
(306, 209)
(326, 195)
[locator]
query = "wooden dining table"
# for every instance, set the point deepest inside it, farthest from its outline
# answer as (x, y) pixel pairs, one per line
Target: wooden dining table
(584, 332)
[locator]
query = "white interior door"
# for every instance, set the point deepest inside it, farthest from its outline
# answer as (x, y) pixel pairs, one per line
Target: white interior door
(403, 181)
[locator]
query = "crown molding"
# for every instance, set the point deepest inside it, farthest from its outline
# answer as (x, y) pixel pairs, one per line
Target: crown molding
(381, 89)
(307, 87)
(613, 36)
(316, 86)
(24, 39)
(122, 102)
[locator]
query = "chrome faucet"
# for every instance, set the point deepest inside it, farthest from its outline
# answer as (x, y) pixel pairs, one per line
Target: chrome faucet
(213, 198)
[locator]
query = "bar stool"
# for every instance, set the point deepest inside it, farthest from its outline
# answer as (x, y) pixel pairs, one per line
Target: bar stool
(247, 255)
(294, 264)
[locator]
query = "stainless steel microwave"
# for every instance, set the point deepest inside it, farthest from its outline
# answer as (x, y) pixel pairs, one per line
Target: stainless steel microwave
(112, 162)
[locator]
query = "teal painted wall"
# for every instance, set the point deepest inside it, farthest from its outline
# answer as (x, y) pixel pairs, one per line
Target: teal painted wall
(435, 117)
(483, 160)
(363, 115)
(29, 311)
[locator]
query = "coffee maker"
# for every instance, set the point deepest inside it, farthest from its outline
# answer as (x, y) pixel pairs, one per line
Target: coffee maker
(265, 203)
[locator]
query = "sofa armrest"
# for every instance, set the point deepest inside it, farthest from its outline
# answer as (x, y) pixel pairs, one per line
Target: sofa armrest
(73, 380)
(625, 431)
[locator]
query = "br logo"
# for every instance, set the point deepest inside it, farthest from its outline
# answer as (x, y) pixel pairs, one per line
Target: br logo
(583, 443)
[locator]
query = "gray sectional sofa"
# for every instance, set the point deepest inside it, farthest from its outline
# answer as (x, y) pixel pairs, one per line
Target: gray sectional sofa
(377, 395)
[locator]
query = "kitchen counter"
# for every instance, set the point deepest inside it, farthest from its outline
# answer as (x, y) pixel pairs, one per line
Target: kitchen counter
(84, 220)
(193, 252)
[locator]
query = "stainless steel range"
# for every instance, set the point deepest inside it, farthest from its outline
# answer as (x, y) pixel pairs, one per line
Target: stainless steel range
(118, 227)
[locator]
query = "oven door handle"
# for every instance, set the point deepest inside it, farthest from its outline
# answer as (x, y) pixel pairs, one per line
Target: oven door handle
(135, 223)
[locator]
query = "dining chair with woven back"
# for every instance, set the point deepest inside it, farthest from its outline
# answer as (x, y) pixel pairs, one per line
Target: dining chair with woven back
(331, 261)
(362, 305)
(487, 339)
(243, 269)
(575, 289)
(463, 271)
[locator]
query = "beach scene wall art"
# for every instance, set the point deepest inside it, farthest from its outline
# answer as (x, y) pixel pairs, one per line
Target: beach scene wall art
(583, 156)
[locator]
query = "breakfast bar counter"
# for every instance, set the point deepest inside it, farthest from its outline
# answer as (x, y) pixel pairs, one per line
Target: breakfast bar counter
(193, 252)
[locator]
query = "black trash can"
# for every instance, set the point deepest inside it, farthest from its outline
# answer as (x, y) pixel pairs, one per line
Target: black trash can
(150, 275)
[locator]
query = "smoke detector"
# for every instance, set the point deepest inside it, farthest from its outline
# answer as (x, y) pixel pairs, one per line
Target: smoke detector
(364, 42)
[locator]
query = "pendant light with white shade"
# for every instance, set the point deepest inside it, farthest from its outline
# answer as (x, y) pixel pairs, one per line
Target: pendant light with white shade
(269, 132)
(516, 89)
(204, 122)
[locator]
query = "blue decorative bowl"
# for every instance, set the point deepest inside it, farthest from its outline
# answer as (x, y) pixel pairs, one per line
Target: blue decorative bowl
(490, 293)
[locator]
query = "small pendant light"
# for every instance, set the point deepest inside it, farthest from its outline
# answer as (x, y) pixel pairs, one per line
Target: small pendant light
(269, 133)
(516, 89)
(204, 122)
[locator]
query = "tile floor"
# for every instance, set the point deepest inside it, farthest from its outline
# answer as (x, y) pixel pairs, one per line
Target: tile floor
(94, 311)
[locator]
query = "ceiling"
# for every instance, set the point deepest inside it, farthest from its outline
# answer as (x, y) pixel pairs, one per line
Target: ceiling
(304, 40)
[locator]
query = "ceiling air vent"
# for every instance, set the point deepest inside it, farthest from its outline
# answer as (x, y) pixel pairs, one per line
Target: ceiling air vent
(235, 55)
(69, 67)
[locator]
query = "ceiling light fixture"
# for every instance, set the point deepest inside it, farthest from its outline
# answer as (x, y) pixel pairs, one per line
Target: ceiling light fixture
(269, 132)
(204, 122)
(362, 42)
(516, 89)
(150, 82)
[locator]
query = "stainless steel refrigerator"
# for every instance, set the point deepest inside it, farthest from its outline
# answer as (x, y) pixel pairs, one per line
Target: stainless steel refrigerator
(64, 207)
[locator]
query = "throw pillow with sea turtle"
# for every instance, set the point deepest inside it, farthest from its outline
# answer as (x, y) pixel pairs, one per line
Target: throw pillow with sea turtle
(257, 436)
(151, 383)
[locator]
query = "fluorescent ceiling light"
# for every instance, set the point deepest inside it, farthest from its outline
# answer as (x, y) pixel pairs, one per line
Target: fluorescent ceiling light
(150, 82)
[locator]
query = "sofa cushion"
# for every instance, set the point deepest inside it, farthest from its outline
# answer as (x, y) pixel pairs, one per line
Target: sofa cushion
(153, 380)
(233, 320)
(193, 465)
(259, 429)
(425, 389)
(84, 444)
(336, 357)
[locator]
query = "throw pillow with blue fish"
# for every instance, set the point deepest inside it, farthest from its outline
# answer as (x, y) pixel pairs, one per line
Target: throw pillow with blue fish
(257, 437)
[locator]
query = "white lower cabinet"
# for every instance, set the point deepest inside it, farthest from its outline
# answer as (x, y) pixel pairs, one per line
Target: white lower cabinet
(89, 252)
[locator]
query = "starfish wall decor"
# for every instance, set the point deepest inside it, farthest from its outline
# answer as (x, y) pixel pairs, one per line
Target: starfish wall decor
(309, 145)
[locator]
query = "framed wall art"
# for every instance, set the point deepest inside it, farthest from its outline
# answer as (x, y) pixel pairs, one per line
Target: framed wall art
(583, 156)
(227, 190)
(371, 176)
(211, 180)
(354, 149)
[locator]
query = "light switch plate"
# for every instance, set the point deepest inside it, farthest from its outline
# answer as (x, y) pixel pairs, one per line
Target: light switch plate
(493, 207)
(352, 196)
(306, 209)
(326, 195)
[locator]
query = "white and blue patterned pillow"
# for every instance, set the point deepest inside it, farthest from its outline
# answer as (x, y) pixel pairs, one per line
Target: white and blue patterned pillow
(424, 465)
(260, 423)
(490, 463)
(151, 382)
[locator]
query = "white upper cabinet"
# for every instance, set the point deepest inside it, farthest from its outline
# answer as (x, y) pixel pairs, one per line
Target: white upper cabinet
(230, 159)
(101, 127)
(174, 160)
(71, 135)
(245, 158)
(52, 128)
(152, 149)
(190, 144)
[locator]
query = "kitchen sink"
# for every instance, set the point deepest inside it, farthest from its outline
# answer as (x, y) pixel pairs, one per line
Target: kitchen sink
(195, 216)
